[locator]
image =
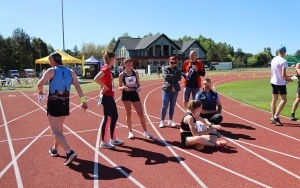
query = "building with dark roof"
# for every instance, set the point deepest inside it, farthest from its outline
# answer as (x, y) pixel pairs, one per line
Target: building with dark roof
(154, 50)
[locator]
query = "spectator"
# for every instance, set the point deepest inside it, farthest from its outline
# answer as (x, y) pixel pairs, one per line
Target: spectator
(192, 70)
(210, 101)
(158, 70)
(171, 75)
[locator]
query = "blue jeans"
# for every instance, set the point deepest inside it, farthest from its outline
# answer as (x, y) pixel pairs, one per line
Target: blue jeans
(168, 98)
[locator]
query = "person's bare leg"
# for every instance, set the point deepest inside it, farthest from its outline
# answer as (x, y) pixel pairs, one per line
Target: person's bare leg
(296, 103)
(273, 104)
(127, 105)
(139, 110)
(281, 105)
(58, 135)
(61, 129)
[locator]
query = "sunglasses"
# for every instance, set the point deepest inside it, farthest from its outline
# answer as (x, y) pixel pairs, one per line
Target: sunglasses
(172, 62)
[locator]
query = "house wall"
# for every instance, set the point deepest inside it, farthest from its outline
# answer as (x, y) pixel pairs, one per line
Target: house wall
(198, 50)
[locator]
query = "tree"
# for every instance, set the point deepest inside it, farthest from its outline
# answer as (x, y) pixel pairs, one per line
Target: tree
(111, 44)
(297, 54)
(126, 35)
(22, 50)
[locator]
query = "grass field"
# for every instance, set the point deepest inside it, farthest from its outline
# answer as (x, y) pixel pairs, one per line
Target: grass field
(258, 93)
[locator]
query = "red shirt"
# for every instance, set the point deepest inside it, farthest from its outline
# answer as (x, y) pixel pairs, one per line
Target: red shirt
(107, 80)
(186, 67)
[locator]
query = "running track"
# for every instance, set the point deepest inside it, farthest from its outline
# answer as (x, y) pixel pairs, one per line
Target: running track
(259, 154)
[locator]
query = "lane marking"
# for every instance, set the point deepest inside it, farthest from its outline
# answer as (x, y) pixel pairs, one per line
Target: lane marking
(11, 149)
(187, 168)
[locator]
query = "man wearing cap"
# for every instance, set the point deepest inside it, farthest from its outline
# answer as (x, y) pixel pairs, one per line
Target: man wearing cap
(60, 80)
(279, 79)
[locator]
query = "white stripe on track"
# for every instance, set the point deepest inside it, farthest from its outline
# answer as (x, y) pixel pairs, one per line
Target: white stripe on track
(11, 149)
(197, 179)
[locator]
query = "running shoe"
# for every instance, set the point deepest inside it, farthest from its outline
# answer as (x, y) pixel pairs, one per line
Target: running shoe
(70, 157)
(147, 134)
(130, 135)
(172, 123)
(116, 142)
(276, 121)
(161, 124)
(106, 145)
(293, 118)
(53, 152)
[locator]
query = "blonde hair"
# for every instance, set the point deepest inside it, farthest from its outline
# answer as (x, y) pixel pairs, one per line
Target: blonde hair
(193, 105)
(107, 55)
(127, 59)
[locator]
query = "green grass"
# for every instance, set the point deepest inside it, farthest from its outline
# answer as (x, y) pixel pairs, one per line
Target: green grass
(86, 84)
(257, 93)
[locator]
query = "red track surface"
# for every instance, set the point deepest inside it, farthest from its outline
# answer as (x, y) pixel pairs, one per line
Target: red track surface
(259, 154)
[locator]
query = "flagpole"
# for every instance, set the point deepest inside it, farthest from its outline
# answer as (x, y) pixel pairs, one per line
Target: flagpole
(63, 29)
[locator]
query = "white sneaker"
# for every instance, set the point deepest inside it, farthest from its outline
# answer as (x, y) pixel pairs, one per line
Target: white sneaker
(161, 124)
(172, 123)
(147, 134)
(116, 142)
(106, 145)
(130, 135)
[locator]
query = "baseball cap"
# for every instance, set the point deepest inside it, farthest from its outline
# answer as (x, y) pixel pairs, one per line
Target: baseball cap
(281, 48)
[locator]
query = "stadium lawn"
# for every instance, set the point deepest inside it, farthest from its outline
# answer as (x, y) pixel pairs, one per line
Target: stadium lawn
(257, 93)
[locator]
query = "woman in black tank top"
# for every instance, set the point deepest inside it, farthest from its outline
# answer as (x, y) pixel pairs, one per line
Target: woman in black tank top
(189, 134)
(129, 84)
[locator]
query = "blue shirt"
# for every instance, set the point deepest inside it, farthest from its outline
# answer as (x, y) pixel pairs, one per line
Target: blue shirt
(61, 81)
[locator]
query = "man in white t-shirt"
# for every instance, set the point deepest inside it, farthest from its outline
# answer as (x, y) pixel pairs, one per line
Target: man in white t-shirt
(279, 79)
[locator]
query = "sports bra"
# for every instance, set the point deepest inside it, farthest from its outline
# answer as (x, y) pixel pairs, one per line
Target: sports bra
(185, 126)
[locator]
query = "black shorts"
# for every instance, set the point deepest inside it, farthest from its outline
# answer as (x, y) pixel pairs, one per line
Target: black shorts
(132, 96)
(214, 118)
(57, 108)
(184, 135)
(281, 90)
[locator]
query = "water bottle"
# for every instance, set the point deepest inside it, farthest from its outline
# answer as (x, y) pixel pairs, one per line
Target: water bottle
(100, 98)
(190, 73)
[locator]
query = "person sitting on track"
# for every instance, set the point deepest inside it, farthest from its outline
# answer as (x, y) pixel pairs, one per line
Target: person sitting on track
(210, 101)
(188, 131)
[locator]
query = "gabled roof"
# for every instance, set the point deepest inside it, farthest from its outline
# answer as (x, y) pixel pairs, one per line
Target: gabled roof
(129, 43)
(147, 41)
(184, 45)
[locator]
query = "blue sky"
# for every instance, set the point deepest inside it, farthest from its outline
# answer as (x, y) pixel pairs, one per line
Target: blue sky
(247, 24)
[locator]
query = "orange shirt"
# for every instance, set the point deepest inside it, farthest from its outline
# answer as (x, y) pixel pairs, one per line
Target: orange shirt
(186, 66)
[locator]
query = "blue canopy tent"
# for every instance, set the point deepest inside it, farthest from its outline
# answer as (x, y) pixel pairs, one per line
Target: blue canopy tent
(94, 63)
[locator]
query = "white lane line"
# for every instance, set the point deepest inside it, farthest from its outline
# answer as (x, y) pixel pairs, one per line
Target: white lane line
(26, 147)
(188, 169)
(11, 149)
(107, 159)
(21, 116)
(263, 158)
(251, 122)
(222, 167)
(268, 149)
(285, 135)
(254, 153)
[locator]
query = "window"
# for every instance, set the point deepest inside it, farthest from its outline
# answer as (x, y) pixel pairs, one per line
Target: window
(157, 51)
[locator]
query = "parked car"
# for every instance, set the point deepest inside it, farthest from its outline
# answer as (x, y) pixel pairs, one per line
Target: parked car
(212, 68)
(29, 73)
(13, 74)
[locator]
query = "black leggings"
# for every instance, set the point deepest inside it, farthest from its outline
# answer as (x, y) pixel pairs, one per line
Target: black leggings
(110, 110)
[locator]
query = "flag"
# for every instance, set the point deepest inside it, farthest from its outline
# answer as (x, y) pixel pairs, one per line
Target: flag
(82, 66)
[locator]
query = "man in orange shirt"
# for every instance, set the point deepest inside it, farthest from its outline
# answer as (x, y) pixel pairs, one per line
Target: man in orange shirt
(192, 70)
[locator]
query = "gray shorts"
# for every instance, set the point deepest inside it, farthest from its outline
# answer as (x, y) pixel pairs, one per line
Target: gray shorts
(187, 93)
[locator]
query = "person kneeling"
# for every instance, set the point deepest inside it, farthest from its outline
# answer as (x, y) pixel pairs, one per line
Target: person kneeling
(190, 133)
(210, 101)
